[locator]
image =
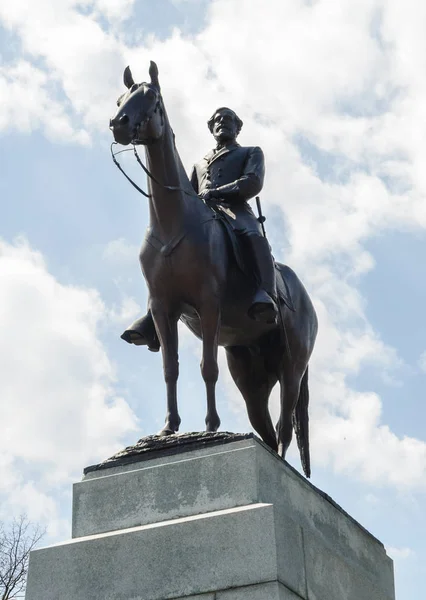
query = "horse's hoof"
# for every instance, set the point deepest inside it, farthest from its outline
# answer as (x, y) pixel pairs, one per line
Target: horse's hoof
(212, 428)
(166, 431)
(281, 451)
(212, 424)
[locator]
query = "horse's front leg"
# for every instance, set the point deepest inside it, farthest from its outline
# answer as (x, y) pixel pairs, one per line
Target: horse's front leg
(166, 325)
(210, 323)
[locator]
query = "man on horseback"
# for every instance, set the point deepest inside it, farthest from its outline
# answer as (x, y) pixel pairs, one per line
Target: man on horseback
(229, 176)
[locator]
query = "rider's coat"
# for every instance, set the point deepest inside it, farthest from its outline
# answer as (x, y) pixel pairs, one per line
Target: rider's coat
(238, 173)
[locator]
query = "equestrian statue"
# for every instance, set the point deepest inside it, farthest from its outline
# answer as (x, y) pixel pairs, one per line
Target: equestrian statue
(207, 262)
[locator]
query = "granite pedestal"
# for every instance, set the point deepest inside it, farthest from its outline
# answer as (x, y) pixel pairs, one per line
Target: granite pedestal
(225, 521)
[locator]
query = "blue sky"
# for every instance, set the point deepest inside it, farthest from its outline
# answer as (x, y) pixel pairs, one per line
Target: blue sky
(335, 94)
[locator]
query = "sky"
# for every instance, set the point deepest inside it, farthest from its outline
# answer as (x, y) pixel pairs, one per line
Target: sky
(334, 92)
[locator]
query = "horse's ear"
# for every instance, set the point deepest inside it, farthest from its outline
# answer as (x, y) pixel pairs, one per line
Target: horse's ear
(128, 78)
(153, 73)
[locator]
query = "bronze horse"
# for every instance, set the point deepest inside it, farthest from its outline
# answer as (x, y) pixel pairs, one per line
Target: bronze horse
(192, 275)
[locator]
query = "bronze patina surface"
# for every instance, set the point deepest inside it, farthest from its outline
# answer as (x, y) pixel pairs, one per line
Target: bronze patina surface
(192, 272)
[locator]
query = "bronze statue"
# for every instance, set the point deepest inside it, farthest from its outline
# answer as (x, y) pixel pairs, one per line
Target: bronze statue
(229, 175)
(192, 263)
(232, 175)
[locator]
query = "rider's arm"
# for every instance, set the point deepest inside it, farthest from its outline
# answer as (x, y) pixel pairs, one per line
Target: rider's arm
(249, 184)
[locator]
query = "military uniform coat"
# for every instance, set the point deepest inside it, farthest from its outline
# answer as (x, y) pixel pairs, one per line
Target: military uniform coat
(237, 173)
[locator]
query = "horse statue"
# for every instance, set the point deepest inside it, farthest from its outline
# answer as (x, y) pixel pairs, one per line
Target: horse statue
(192, 273)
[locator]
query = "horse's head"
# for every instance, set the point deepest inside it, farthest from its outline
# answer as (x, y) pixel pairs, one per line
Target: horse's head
(140, 115)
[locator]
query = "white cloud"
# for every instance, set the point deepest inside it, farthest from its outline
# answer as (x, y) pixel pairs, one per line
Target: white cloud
(113, 10)
(400, 553)
(126, 312)
(79, 56)
(422, 361)
(121, 252)
(350, 436)
(58, 410)
(27, 104)
(372, 499)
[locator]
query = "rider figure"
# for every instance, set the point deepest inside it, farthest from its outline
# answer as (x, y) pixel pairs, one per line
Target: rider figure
(229, 174)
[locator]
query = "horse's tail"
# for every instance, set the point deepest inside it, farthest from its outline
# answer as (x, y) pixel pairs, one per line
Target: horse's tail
(301, 424)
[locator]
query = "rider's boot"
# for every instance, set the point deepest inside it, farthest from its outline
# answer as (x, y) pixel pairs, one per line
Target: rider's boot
(143, 333)
(264, 307)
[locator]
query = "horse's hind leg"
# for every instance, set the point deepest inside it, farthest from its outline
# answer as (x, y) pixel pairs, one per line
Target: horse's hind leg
(210, 321)
(255, 383)
(166, 325)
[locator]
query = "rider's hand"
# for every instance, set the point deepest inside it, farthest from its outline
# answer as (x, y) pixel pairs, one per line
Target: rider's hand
(207, 195)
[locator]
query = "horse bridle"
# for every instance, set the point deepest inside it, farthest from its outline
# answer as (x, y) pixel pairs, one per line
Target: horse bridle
(172, 188)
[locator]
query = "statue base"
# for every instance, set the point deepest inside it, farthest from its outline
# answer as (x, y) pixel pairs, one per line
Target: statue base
(209, 517)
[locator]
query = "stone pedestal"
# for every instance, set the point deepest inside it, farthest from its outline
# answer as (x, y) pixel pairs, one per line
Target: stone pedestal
(222, 522)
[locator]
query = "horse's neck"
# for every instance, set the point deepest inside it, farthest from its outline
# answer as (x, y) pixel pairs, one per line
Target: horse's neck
(168, 209)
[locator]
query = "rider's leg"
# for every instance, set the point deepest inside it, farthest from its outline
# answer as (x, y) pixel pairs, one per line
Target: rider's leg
(264, 306)
(143, 333)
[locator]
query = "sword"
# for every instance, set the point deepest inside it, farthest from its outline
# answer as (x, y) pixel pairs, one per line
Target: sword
(260, 218)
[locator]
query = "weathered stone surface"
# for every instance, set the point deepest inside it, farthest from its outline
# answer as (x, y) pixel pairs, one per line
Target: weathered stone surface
(199, 597)
(264, 591)
(154, 562)
(291, 569)
(179, 486)
(167, 445)
(221, 522)
(214, 478)
(286, 594)
(323, 520)
(332, 575)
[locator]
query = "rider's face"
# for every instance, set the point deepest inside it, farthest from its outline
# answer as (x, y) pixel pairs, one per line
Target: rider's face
(224, 126)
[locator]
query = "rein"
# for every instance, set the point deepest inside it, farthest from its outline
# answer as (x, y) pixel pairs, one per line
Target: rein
(171, 188)
(164, 249)
(117, 164)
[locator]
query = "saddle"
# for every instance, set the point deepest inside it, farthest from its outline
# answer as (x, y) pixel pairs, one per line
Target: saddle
(225, 217)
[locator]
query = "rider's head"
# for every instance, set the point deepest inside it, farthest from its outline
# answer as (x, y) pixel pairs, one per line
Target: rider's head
(224, 124)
